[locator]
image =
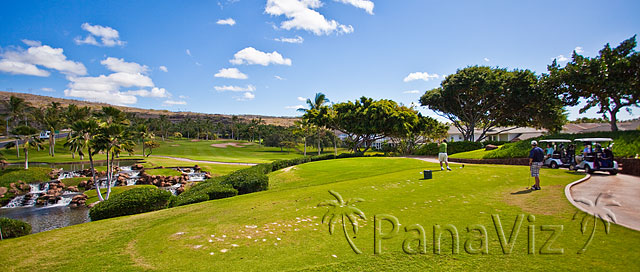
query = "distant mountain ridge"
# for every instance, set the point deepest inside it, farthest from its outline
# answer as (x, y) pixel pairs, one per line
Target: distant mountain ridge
(42, 101)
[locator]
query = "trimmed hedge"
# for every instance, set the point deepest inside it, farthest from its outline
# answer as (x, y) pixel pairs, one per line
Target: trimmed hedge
(12, 228)
(431, 149)
(247, 181)
(134, 201)
(627, 144)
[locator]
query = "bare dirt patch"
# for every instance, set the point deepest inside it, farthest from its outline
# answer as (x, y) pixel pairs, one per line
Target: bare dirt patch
(174, 145)
(224, 145)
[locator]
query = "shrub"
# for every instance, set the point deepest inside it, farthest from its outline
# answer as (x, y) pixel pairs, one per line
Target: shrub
(627, 144)
(431, 149)
(134, 201)
(12, 228)
(219, 191)
(191, 198)
(246, 181)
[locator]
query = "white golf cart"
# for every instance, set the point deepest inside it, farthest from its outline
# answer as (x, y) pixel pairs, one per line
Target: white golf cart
(600, 157)
(559, 157)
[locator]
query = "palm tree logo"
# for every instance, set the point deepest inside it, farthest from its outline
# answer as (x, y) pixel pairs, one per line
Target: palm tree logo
(599, 210)
(339, 209)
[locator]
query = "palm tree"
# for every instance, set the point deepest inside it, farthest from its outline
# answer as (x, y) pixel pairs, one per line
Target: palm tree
(17, 109)
(338, 208)
(82, 134)
(29, 138)
(52, 119)
(142, 132)
(113, 139)
(303, 128)
(164, 125)
(313, 113)
(600, 211)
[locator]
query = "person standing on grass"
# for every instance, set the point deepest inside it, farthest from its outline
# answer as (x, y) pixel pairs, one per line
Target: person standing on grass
(442, 154)
(536, 156)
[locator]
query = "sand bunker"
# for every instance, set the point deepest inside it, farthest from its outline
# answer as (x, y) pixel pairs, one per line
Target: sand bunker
(224, 145)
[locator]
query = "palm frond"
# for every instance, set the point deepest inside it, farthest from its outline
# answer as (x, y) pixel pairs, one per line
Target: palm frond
(353, 201)
(354, 222)
(337, 196)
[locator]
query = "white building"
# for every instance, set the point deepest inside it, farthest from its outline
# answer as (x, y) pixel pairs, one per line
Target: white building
(498, 134)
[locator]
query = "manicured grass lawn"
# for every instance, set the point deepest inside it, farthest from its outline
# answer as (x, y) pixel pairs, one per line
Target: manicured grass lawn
(31, 175)
(246, 152)
(213, 168)
(281, 229)
(163, 172)
(474, 154)
(93, 195)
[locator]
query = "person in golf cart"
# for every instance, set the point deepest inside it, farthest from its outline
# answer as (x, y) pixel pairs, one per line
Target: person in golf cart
(595, 157)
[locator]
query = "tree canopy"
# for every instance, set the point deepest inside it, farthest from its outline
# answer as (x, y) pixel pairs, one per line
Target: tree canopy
(480, 97)
(609, 81)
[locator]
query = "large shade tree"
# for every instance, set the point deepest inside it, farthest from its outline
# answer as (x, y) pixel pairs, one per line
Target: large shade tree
(481, 98)
(316, 114)
(609, 81)
(365, 121)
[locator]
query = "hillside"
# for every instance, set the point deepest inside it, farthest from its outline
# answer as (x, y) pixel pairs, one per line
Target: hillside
(41, 101)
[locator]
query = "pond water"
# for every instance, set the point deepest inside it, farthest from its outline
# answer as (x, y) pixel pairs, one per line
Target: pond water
(59, 214)
(47, 218)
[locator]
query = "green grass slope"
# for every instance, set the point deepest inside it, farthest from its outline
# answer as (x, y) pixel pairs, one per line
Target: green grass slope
(281, 229)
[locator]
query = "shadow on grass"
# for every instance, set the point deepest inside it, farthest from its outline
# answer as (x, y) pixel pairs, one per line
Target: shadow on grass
(522, 192)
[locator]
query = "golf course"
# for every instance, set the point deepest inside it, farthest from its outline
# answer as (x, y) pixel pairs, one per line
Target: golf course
(282, 229)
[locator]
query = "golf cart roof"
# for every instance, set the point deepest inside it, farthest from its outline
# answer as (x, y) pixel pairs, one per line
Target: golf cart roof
(555, 141)
(594, 140)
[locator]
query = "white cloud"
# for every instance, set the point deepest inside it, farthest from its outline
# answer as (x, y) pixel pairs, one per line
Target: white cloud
(279, 77)
(579, 50)
(247, 96)
(108, 88)
(363, 4)
(155, 92)
(297, 39)
(50, 90)
(420, 75)
(487, 59)
(250, 55)
(163, 68)
(174, 102)
(561, 58)
(249, 88)
(300, 15)
(231, 73)
(20, 68)
(199, 64)
(32, 43)
(182, 97)
(108, 36)
(189, 52)
(300, 98)
(26, 62)
(294, 107)
(411, 92)
(119, 65)
(228, 21)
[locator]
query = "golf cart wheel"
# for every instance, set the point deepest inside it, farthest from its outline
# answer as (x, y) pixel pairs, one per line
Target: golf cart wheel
(588, 169)
(613, 172)
(572, 167)
(554, 165)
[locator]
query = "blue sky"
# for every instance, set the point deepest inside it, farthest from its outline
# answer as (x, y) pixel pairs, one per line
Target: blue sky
(263, 57)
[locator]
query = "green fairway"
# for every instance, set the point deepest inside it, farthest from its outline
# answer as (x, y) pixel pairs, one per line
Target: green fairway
(223, 151)
(281, 229)
(474, 154)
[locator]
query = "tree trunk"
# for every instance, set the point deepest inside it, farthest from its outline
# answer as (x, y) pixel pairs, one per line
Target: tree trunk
(93, 174)
(143, 148)
(26, 158)
(109, 172)
(613, 121)
(305, 146)
(17, 149)
(335, 145)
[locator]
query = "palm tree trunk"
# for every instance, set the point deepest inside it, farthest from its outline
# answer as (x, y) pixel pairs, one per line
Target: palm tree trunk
(26, 158)
(17, 149)
(346, 235)
(305, 146)
(109, 174)
(335, 145)
(93, 174)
